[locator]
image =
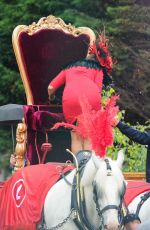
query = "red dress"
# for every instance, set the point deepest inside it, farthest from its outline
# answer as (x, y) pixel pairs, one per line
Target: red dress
(80, 81)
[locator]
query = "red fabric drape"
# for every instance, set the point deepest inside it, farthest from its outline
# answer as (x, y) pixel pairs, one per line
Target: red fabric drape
(134, 188)
(22, 197)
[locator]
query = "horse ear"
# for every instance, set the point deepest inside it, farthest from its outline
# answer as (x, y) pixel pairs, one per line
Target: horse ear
(120, 158)
(96, 160)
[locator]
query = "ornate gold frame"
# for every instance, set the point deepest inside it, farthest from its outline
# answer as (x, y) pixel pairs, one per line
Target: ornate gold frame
(21, 138)
(49, 22)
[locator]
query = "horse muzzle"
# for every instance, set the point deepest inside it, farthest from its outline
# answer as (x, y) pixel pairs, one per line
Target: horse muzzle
(112, 226)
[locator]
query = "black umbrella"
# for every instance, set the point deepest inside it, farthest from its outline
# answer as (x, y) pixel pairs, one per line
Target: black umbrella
(11, 114)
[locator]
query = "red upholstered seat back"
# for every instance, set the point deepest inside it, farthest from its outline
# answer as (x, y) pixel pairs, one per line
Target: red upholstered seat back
(45, 53)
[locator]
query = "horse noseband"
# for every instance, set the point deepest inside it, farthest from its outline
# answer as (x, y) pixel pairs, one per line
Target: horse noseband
(95, 198)
(107, 208)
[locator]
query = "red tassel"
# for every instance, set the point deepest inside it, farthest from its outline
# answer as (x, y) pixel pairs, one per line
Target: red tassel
(64, 124)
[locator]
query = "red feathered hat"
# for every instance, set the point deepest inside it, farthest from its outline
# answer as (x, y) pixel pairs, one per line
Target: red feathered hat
(100, 50)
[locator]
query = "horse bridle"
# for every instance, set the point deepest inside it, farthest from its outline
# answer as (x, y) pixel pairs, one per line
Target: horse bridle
(107, 207)
(83, 222)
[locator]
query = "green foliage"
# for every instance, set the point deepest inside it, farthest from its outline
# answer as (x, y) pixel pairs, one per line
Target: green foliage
(107, 94)
(11, 89)
(6, 149)
(135, 154)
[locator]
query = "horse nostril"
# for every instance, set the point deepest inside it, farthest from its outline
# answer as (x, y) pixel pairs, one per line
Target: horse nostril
(109, 227)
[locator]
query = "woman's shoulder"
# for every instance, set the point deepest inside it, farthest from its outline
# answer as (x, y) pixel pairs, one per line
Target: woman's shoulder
(84, 63)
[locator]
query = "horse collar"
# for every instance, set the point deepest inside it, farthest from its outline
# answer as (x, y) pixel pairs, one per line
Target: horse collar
(83, 157)
(77, 195)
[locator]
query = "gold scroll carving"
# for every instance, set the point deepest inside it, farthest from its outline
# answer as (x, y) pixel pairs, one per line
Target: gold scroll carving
(20, 150)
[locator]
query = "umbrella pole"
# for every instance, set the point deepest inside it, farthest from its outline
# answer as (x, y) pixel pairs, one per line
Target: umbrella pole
(12, 135)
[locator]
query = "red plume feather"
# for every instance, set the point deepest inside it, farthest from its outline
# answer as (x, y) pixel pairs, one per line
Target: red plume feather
(96, 125)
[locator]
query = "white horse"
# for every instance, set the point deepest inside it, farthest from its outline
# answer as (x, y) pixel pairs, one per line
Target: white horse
(144, 209)
(103, 187)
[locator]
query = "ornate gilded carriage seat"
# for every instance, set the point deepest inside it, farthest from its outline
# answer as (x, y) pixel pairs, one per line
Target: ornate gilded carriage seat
(42, 49)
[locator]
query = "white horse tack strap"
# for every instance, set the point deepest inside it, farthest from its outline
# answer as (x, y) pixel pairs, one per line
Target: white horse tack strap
(143, 199)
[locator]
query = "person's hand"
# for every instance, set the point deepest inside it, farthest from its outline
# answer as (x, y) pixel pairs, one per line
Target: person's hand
(12, 160)
(132, 225)
(52, 97)
(131, 221)
(51, 91)
(116, 121)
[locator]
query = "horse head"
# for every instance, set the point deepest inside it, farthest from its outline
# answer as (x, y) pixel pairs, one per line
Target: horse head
(108, 188)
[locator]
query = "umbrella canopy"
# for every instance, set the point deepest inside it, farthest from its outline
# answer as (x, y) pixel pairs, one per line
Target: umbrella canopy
(11, 113)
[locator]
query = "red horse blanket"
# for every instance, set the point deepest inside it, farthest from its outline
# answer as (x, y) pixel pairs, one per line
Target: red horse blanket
(134, 188)
(22, 197)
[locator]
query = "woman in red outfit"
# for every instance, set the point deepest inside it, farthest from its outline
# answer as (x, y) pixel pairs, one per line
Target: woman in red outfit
(83, 78)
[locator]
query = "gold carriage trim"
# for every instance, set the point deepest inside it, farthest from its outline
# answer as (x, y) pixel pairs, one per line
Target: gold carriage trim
(134, 175)
(51, 22)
